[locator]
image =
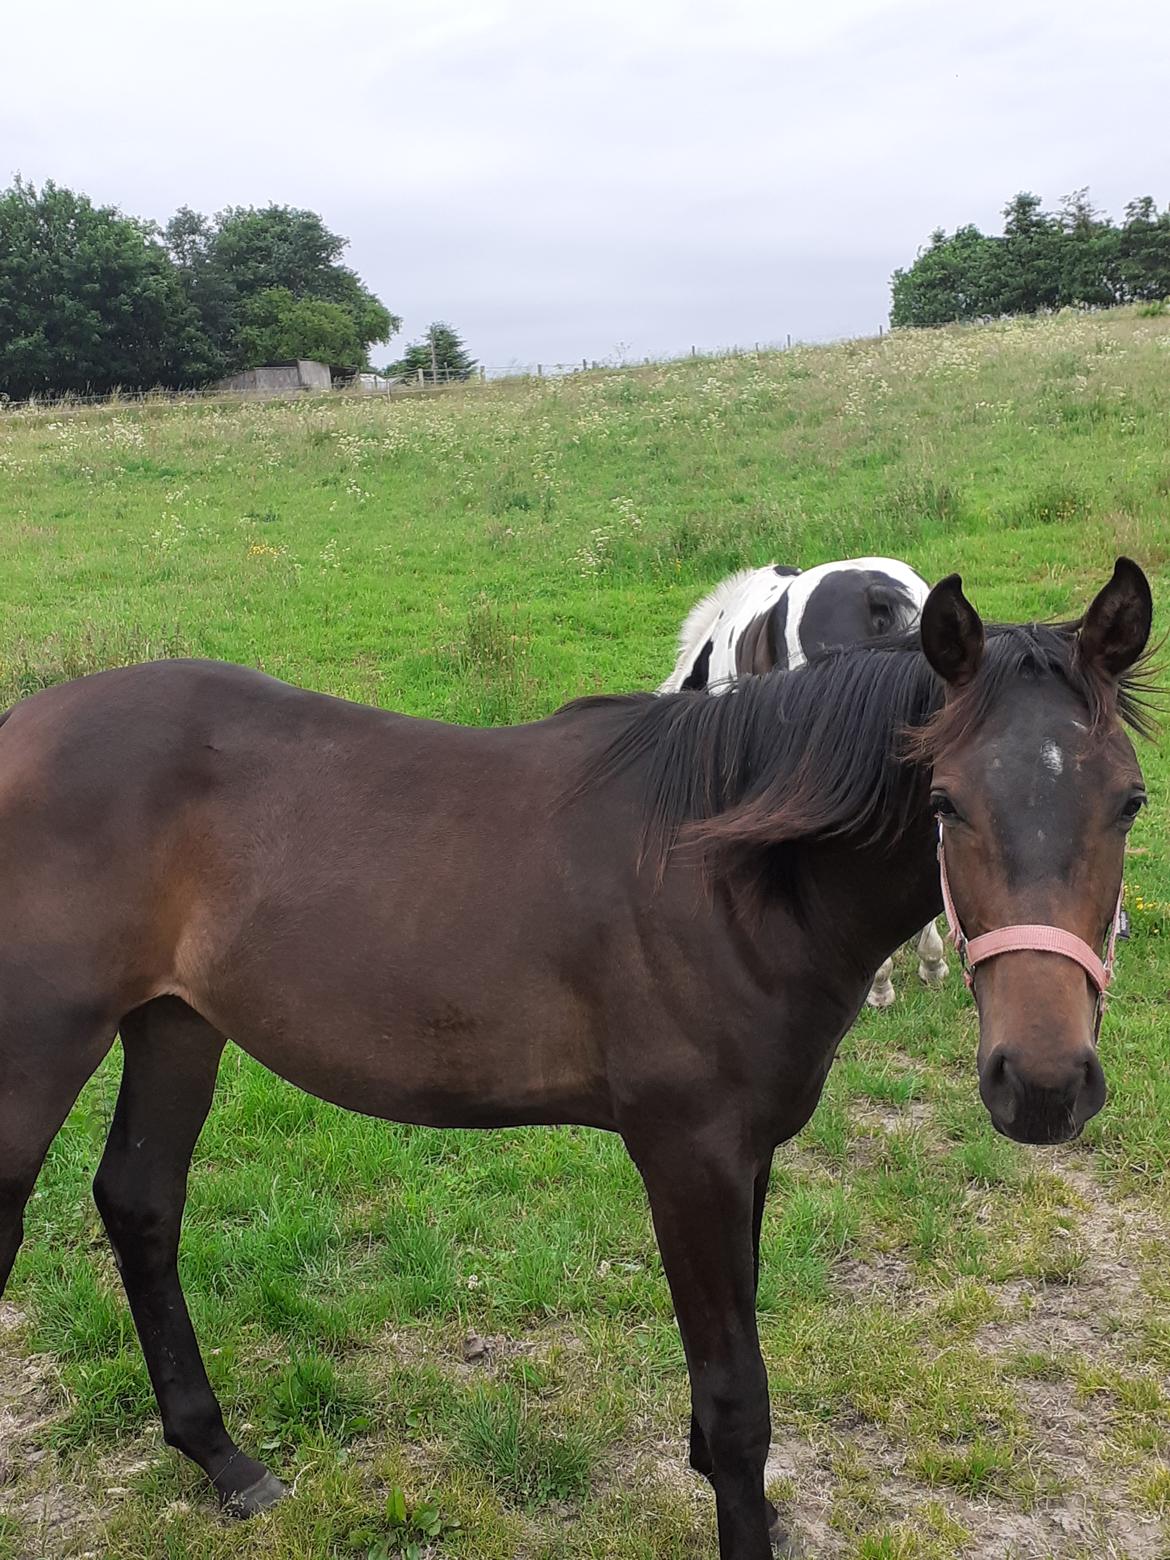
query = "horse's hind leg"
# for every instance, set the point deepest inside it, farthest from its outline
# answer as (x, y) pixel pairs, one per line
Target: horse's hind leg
(171, 1057)
(881, 993)
(932, 965)
(46, 1057)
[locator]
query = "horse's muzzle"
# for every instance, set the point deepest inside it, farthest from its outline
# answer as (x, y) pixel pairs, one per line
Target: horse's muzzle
(1048, 1109)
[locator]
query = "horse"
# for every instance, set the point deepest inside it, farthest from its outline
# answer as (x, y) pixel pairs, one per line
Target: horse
(759, 620)
(653, 915)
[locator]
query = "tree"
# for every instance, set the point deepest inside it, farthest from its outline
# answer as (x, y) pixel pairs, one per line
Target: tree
(1089, 253)
(89, 300)
(231, 262)
(440, 355)
(189, 238)
(276, 327)
(1043, 261)
(1030, 270)
(953, 279)
(1144, 251)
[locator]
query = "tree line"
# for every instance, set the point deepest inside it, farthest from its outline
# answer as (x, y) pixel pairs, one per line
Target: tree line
(1075, 256)
(92, 300)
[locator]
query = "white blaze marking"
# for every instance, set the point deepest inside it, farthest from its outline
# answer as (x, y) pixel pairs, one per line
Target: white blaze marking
(1052, 758)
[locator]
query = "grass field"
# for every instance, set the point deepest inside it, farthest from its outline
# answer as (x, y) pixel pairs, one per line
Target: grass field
(464, 1343)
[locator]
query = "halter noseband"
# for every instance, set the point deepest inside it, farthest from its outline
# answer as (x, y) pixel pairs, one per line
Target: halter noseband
(1041, 939)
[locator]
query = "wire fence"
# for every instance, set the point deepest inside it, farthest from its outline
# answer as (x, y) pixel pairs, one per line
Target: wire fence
(369, 383)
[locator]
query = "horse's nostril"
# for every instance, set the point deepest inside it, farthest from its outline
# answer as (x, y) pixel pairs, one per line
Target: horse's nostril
(999, 1089)
(1094, 1090)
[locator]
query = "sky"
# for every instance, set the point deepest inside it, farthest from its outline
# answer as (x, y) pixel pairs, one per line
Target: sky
(561, 180)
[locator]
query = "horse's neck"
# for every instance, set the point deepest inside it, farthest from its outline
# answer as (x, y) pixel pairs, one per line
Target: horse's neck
(864, 902)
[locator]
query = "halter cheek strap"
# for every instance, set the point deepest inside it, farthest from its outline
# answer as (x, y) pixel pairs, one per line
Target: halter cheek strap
(1040, 939)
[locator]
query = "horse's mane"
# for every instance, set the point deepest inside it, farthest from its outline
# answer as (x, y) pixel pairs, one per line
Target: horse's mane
(837, 748)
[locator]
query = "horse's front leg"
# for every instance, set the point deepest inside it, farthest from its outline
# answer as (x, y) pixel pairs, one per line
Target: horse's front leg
(702, 1192)
(700, 1453)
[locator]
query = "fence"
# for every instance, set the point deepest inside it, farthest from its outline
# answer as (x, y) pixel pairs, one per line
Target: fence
(437, 377)
(426, 378)
(423, 380)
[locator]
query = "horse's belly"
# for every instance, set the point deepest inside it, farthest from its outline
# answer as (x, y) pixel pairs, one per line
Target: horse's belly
(445, 1069)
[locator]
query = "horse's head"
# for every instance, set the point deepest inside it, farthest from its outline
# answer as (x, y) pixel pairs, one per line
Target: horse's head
(857, 601)
(1036, 785)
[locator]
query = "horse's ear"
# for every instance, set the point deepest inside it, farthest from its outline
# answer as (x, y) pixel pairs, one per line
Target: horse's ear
(952, 633)
(1114, 631)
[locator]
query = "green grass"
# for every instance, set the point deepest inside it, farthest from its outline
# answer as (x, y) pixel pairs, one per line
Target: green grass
(966, 1339)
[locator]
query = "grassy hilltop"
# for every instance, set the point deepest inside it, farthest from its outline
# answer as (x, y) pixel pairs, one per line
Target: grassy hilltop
(968, 1340)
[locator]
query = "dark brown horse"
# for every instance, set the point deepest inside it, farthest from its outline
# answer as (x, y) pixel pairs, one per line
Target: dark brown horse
(475, 928)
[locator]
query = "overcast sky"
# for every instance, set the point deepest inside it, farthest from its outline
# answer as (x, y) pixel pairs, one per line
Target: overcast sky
(563, 180)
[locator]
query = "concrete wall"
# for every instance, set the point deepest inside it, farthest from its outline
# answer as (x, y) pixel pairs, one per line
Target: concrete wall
(280, 379)
(314, 376)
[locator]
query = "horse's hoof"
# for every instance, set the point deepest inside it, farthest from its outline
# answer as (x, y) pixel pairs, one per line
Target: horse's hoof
(881, 996)
(933, 975)
(258, 1497)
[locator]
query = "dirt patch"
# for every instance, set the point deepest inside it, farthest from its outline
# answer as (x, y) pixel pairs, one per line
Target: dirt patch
(1079, 1524)
(876, 1116)
(461, 1354)
(27, 1397)
(61, 1511)
(1091, 1316)
(882, 1275)
(50, 1513)
(1084, 1507)
(877, 1120)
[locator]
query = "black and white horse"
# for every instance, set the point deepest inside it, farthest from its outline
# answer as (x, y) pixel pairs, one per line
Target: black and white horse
(762, 620)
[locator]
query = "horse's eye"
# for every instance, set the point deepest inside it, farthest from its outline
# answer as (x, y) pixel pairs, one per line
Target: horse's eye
(1134, 806)
(942, 806)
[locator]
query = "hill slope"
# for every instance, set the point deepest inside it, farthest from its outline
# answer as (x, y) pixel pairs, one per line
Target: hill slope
(967, 1340)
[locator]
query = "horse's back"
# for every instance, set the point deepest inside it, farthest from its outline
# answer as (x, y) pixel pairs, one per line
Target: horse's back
(330, 884)
(709, 635)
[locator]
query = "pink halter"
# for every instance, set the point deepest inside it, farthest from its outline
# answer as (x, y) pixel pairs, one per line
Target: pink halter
(1042, 939)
